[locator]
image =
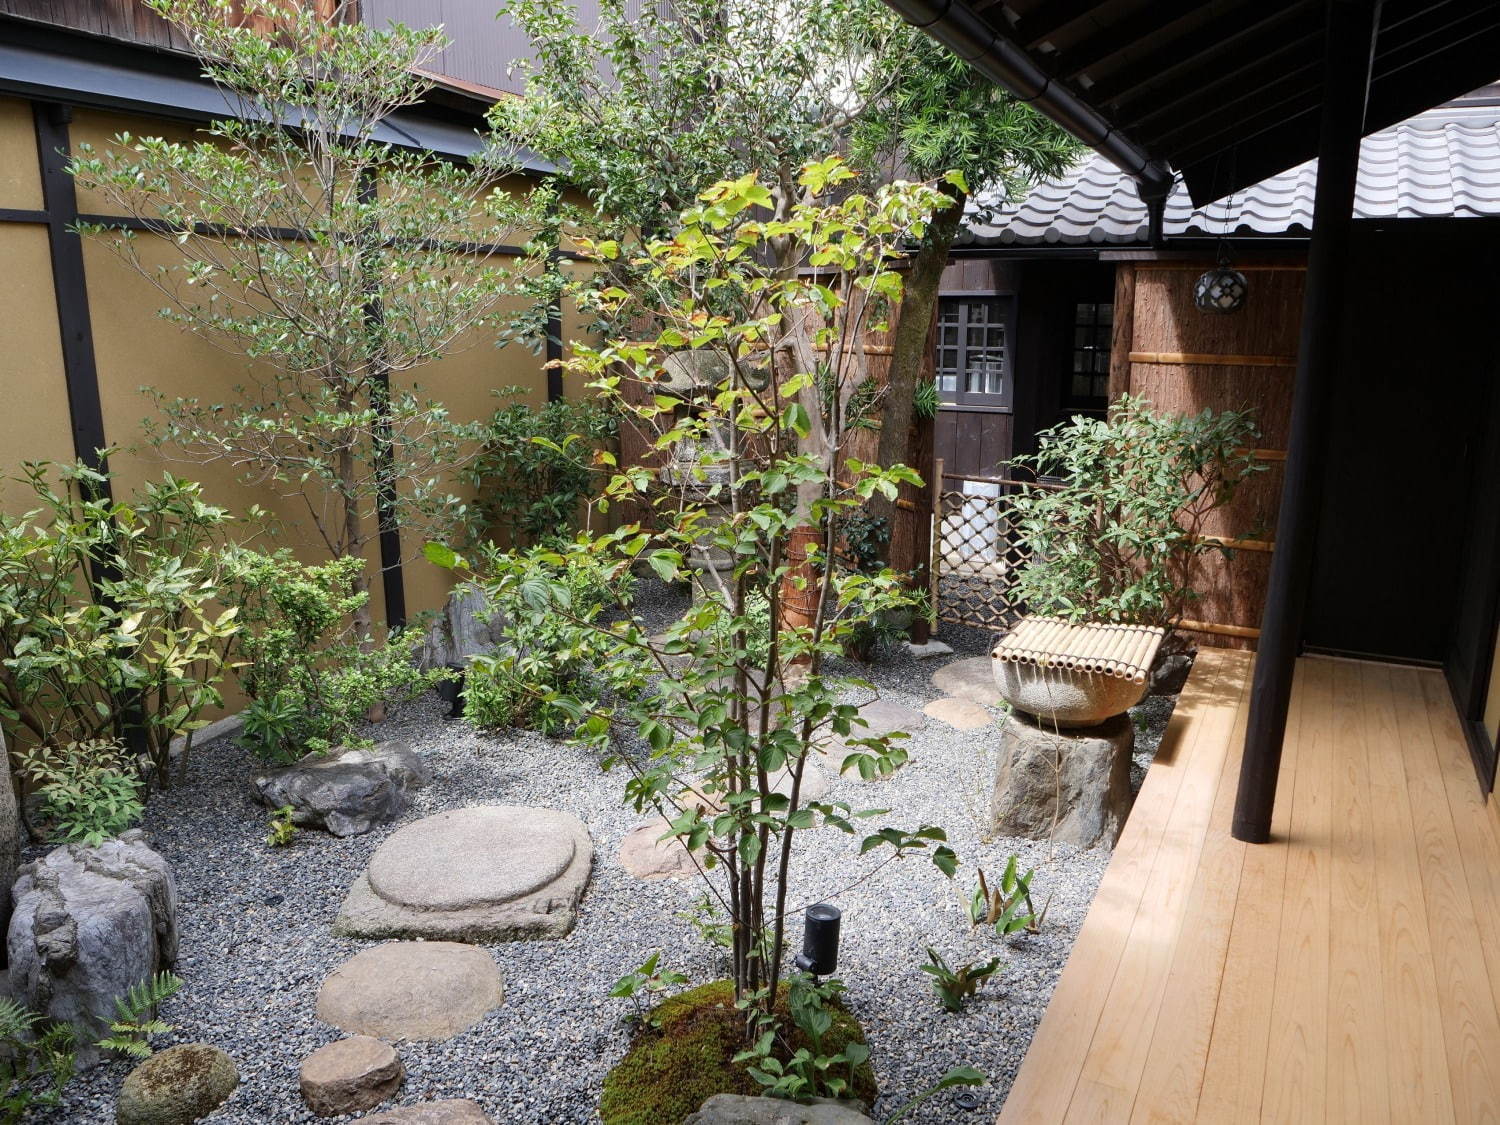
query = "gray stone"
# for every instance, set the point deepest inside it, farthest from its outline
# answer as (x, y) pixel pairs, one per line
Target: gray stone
(466, 628)
(414, 990)
(961, 714)
(177, 1086)
(350, 1075)
(10, 835)
(644, 854)
(1072, 786)
(455, 1111)
(348, 792)
(1171, 672)
(815, 783)
(738, 1109)
(972, 678)
(928, 650)
(487, 873)
(90, 923)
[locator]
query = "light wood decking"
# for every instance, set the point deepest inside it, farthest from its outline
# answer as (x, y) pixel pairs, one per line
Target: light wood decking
(1349, 971)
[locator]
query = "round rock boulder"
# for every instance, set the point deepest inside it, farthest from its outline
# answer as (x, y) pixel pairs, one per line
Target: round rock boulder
(177, 1086)
(350, 1075)
(483, 874)
(414, 990)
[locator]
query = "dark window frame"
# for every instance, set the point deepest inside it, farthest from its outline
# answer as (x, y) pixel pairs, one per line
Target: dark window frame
(1089, 342)
(999, 313)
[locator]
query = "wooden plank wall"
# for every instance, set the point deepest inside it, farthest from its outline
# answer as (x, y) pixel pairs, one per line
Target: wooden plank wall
(1186, 360)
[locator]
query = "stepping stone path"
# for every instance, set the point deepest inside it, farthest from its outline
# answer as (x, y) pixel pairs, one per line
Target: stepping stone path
(350, 1075)
(646, 856)
(972, 678)
(456, 1111)
(414, 990)
(962, 714)
(882, 717)
(483, 874)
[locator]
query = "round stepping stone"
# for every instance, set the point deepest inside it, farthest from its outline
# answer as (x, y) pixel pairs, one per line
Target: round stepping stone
(456, 1111)
(883, 717)
(644, 854)
(972, 678)
(963, 714)
(483, 874)
(415, 990)
(471, 857)
(350, 1075)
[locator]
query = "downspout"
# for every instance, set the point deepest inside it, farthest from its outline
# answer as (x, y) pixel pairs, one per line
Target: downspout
(971, 39)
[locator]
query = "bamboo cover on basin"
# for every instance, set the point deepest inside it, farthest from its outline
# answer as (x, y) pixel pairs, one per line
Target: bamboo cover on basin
(1125, 651)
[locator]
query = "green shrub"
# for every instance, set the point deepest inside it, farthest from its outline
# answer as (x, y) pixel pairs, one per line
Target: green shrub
(536, 467)
(31, 1053)
(548, 651)
(133, 657)
(90, 791)
(685, 1054)
(309, 678)
(1118, 541)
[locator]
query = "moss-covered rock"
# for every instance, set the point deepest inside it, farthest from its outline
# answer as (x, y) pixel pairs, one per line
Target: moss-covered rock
(177, 1086)
(672, 1069)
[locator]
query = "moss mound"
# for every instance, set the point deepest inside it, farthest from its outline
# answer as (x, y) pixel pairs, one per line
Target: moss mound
(670, 1071)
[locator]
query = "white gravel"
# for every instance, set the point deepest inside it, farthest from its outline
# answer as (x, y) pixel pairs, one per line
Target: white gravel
(256, 944)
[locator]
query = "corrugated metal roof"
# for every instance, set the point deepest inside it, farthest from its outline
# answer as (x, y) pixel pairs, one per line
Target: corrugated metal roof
(1441, 164)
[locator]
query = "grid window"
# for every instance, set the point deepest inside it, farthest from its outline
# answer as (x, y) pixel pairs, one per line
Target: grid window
(973, 350)
(1093, 324)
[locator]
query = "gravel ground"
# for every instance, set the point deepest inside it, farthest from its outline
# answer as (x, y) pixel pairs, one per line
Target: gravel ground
(256, 944)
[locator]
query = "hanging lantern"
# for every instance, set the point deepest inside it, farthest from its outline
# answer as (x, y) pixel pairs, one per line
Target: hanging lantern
(1222, 289)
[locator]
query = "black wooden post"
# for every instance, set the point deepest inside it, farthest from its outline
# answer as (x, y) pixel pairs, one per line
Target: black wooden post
(554, 346)
(1348, 51)
(392, 577)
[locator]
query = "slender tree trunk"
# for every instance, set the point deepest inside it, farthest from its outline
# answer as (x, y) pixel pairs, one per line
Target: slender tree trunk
(919, 298)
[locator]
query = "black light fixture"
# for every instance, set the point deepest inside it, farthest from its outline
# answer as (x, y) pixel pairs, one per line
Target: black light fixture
(820, 940)
(1221, 289)
(450, 689)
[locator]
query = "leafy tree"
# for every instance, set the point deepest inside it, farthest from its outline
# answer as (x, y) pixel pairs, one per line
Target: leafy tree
(652, 106)
(332, 261)
(731, 703)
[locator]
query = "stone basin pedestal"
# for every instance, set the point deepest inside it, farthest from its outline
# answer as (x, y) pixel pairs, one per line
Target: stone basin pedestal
(1066, 784)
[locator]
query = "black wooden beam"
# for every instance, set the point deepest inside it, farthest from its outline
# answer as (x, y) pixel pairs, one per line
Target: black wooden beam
(1050, 18)
(392, 574)
(1350, 45)
(60, 204)
(554, 346)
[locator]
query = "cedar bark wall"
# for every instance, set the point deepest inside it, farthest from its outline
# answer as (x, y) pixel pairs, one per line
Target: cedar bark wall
(1185, 360)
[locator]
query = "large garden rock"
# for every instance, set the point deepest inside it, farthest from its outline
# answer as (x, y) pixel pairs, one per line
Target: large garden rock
(483, 874)
(415, 990)
(1070, 785)
(177, 1086)
(10, 835)
(466, 628)
(455, 1111)
(350, 1075)
(644, 854)
(89, 923)
(348, 792)
(882, 717)
(738, 1109)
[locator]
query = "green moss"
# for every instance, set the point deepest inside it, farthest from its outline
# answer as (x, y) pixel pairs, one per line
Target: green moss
(672, 1070)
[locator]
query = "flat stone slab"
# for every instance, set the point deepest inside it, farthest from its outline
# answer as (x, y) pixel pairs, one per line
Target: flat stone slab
(644, 854)
(738, 1109)
(961, 714)
(929, 649)
(972, 678)
(414, 990)
(882, 717)
(455, 1111)
(488, 873)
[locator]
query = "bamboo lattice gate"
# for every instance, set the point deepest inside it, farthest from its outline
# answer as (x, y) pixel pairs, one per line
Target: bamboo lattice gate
(976, 550)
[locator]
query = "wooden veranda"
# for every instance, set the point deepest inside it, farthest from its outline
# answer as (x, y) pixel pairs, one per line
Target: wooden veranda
(1348, 970)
